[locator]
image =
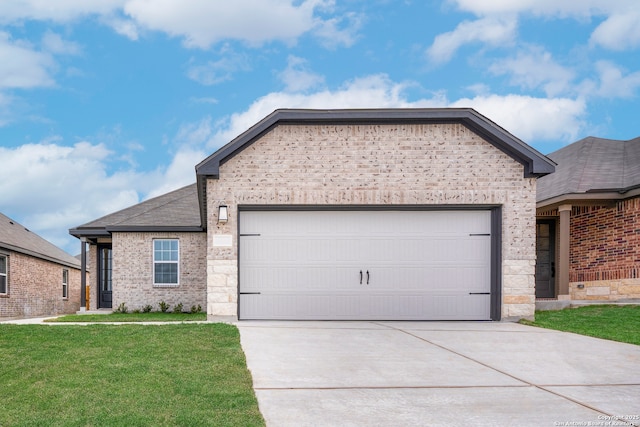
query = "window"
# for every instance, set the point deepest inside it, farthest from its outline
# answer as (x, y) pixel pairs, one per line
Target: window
(165, 262)
(65, 283)
(4, 267)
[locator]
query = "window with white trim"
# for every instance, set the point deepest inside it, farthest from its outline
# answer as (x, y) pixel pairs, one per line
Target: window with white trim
(166, 260)
(65, 283)
(4, 274)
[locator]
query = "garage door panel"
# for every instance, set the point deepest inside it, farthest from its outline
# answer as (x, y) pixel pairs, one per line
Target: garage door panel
(422, 265)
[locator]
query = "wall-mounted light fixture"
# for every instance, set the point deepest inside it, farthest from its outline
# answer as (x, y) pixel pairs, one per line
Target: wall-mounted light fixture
(223, 214)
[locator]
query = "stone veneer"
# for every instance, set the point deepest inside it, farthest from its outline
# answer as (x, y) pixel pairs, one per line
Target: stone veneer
(406, 164)
(35, 288)
(132, 279)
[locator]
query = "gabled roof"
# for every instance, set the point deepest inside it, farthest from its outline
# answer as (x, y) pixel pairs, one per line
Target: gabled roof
(592, 168)
(535, 164)
(15, 237)
(175, 211)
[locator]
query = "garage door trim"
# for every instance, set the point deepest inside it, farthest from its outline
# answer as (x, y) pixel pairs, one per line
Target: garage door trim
(496, 236)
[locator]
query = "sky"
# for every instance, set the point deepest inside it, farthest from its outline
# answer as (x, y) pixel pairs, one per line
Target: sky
(106, 103)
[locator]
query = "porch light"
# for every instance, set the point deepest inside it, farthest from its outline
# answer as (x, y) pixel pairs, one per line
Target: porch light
(223, 214)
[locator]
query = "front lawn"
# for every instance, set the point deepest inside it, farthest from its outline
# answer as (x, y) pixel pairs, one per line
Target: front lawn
(611, 322)
(154, 316)
(125, 375)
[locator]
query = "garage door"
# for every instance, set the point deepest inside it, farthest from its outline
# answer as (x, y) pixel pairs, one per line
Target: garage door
(365, 265)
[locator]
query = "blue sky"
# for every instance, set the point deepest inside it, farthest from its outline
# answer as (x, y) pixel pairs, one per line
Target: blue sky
(106, 103)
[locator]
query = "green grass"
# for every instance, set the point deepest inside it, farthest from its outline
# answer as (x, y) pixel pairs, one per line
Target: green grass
(125, 375)
(611, 322)
(155, 316)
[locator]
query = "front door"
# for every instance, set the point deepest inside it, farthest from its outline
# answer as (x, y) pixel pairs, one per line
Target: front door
(104, 276)
(545, 259)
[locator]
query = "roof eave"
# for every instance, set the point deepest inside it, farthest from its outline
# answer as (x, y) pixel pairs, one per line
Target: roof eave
(587, 198)
(34, 254)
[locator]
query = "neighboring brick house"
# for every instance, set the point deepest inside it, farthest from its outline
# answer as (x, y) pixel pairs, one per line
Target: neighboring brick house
(375, 214)
(36, 277)
(589, 222)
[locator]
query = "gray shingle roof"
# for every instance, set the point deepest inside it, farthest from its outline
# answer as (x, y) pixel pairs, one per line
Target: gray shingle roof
(16, 237)
(177, 209)
(593, 165)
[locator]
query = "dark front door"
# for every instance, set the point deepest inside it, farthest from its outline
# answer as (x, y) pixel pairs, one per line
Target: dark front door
(104, 276)
(545, 261)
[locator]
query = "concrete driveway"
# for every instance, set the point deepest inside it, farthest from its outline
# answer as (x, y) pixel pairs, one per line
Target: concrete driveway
(438, 374)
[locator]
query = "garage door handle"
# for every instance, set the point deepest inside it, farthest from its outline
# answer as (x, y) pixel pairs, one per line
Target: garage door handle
(367, 277)
(361, 277)
(479, 293)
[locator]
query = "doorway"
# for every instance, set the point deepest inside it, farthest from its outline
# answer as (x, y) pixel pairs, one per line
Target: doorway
(104, 276)
(545, 259)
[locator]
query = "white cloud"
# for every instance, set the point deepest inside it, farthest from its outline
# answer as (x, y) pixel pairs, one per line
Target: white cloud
(54, 187)
(55, 44)
(21, 66)
(492, 31)
(529, 118)
(338, 31)
(124, 27)
(534, 68)
(62, 11)
(375, 91)
(297, 77)
(547, 8)
(215, 72)
(613, 83)
(621, 31)
(202, 23)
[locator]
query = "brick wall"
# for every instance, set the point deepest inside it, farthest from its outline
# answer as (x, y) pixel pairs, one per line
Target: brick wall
(132, 278)
(35, 288)
(436, 164)
(605, 251)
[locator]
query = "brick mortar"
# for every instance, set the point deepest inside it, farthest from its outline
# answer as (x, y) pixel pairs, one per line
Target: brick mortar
(132, 278)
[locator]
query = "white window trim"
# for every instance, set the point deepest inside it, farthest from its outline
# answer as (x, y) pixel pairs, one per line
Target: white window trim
(65, 283)
(153, 266)
(5, 275)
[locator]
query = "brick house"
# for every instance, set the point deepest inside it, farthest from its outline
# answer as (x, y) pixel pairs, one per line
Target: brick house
(36, 277)
(588, 222)
(339, 214)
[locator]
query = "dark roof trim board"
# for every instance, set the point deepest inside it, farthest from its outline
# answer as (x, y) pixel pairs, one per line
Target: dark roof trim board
(535, 164)
(106, 231)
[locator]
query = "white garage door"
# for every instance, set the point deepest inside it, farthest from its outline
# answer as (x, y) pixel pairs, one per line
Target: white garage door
(365, 265)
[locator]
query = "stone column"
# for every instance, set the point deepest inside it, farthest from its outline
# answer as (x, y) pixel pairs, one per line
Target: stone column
(563, 256)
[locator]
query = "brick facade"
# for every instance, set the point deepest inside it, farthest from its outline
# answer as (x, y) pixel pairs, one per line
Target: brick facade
(132, 279)
(35, 288)
(406, 164)
(605, 251)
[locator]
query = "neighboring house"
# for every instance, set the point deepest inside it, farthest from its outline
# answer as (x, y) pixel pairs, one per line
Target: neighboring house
(588, 224)
(338, 214)
(36, 277)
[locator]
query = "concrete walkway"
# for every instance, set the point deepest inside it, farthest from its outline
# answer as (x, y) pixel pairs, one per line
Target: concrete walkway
(438, 374)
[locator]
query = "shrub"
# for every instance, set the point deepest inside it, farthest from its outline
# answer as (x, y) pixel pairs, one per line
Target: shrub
(147, 308)
(122, 308)
(163, 306)
(195, 309)
(178, 308)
